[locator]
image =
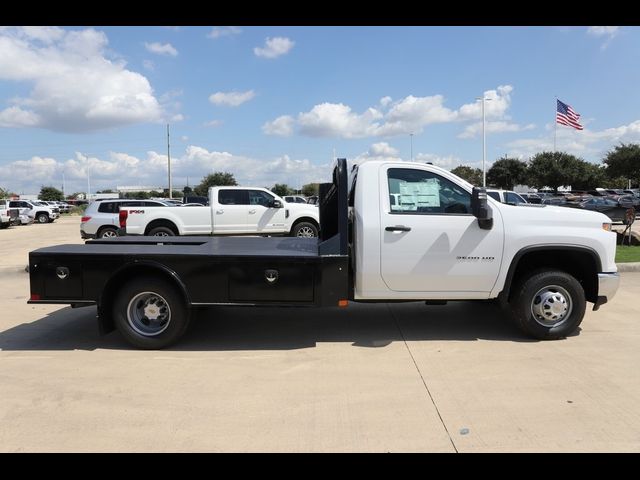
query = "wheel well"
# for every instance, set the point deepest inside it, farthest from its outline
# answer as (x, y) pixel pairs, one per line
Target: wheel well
(304, 219)
(103, 228)
(161, 223)
(105, 303)
(581, 264)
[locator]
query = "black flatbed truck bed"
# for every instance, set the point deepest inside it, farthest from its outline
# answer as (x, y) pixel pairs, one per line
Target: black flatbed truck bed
(277, 271)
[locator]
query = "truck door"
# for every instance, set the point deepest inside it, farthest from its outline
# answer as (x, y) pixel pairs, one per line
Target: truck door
(230, 211)
(430, 241)
(264, 219)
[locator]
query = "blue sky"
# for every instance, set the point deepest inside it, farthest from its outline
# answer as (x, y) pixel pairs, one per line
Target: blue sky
(270, 104)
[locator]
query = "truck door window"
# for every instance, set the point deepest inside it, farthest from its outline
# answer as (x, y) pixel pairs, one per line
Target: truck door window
(422, 192)
(258, 197)
(494, 195)
(233, 197)
(514, 199)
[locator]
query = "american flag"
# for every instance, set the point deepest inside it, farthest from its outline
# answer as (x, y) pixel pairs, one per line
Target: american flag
(565, 115)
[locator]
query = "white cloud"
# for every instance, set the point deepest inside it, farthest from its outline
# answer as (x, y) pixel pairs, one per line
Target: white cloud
(120, 168)
(378, 151)
(149, 65)
(17, 117)
(591, 144)
(493, 127)
(281, 126)
(603, 31)
(606, 32)
(408, 115)
(274, 47)
(337, 120)
(444, 161)
(213, 123)
(218, 32)
(231, 99)
(75, 87)
(161, 49)
(184, 138)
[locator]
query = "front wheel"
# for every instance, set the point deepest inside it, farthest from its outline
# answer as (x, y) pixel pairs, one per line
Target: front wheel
(548, 304)
(150, 313)
(304, 229)
(42, 218)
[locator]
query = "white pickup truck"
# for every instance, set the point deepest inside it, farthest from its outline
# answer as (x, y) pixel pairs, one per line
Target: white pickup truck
(402, 232)
(231, 211)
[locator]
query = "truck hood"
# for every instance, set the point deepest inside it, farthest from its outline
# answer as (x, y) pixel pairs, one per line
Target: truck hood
(301, 208)
(552, 215)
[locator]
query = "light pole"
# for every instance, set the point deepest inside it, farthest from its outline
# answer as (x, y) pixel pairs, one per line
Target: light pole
(484, 142)
(411, 140)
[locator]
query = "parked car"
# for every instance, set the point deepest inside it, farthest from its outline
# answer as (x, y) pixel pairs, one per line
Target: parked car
(609, 207)
(8, 215)
(506, 196)
(196, 199)
(294, 199)
(313, 199)
(42, 212)
(531, 197)
(100, 219)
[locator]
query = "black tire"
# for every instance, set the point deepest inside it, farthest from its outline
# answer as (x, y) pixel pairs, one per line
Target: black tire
(42, 218)
(108, 232)
(539, 301)
(162, 232)
(136, 328)
(304, 229)
(5, 225)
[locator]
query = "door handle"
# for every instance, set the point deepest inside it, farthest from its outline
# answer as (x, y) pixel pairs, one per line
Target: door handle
(252, 211)
(219, 211)
(398, 228)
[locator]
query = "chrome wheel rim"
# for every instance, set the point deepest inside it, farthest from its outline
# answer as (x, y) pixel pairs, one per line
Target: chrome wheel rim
(551, 306)
(306, 232)
(109, 234)
(148, 314)
(161, 234)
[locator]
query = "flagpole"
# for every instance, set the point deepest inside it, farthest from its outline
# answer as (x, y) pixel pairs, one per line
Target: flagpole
(555, 128)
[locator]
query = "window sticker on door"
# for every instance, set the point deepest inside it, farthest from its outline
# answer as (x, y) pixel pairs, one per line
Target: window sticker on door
(414, 195)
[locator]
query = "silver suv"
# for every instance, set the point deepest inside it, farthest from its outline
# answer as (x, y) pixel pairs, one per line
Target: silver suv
(100, 219)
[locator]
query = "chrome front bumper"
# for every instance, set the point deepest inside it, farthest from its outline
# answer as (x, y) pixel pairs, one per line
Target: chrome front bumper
(607, 287)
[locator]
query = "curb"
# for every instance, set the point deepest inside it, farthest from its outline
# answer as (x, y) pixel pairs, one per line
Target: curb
(628, 267)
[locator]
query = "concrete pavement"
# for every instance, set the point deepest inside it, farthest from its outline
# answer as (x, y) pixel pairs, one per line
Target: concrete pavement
(397, 377)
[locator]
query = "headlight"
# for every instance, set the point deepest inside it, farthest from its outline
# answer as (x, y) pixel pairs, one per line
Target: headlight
(606, 226)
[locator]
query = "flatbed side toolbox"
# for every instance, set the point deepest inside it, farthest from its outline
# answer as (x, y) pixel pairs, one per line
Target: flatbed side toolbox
(269, 281)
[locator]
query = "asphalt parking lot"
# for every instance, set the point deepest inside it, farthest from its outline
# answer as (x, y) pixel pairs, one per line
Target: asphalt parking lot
(369, 378)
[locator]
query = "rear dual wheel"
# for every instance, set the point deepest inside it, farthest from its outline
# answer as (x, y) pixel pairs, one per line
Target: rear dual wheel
(150, 313)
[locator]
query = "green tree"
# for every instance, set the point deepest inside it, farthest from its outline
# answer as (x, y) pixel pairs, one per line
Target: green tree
(624, 161)
(555, 169)
(310, 189)
(592, 176)
(471, 175)
(108, 190)
(616, 182)
(50, 193)
(506, 173)
(4, 193)
(186, 191)
(216, 179)
(282, 189)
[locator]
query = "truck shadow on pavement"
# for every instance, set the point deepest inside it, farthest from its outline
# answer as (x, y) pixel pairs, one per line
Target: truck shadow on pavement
(243, 328)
